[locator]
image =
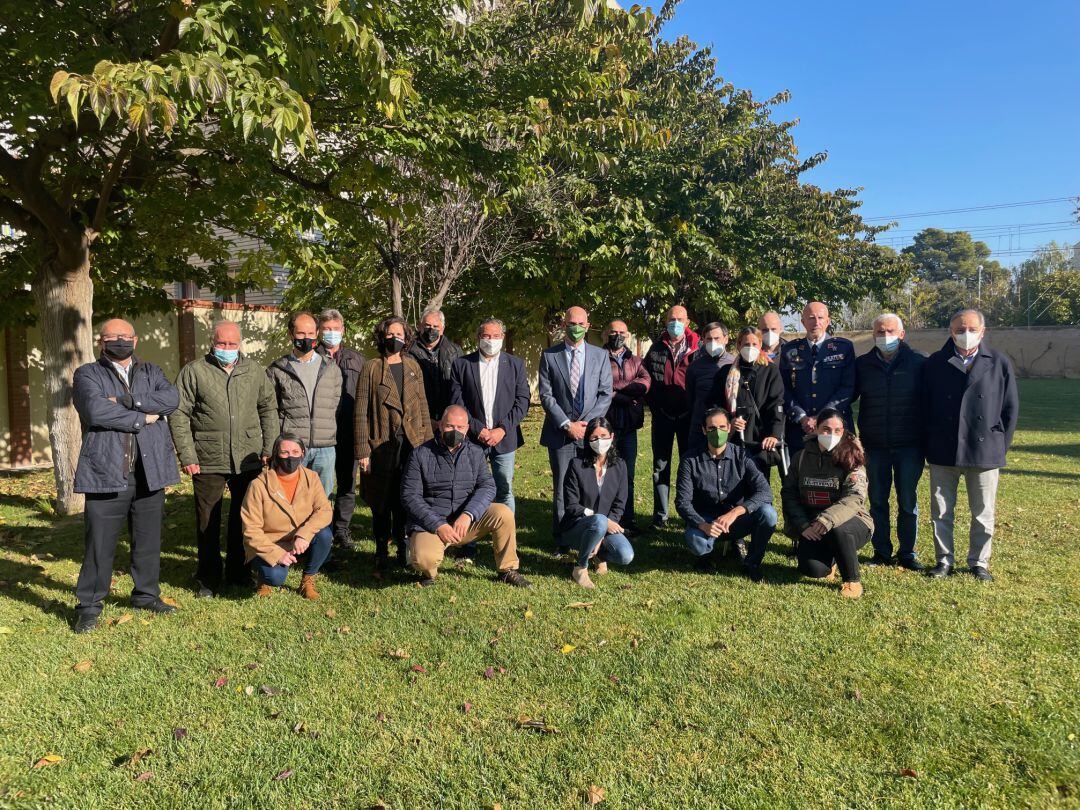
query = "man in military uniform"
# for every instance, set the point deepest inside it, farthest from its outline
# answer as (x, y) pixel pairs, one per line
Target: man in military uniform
(818, 372)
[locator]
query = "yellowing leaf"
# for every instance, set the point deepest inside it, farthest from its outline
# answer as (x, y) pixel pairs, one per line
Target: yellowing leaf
(83, 666)
(127, 617)
(6, 631)
(47, 760)
(580, 605)
(528, 614)
(168, 600)
(567, 648)
(594, 795)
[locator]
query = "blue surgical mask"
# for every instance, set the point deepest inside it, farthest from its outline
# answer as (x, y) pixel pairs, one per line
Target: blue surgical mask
(887, 343)
(331, 338)
(226, 356)
(676, 329)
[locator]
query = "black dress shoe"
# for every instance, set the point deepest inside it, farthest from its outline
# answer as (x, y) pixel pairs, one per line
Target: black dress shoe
(980, 573)
(344, 539)
(879, 559)
(157, 606)
(84, 623)
(940, 571)
(513, 577)
(753, 573)
(704, 564)
(203, 591)
(427, 582)
(911, 564)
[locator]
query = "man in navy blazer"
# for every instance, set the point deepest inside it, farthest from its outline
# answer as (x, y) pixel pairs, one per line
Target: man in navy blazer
(575, 387)
(494, 388)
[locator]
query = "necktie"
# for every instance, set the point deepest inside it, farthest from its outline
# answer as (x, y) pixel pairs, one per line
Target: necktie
(575, 372)
(813, 351)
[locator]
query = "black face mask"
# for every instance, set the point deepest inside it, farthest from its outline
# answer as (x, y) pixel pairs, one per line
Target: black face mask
(287, 464)
(119, 349)
(616, 342)
(452, 438)
(303, 345)
(392, 345)
(430, 334)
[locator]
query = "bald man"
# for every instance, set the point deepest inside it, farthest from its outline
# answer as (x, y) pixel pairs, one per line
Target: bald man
(126, 461)
(667, 361)
(575, 387)
(818, 372)
(772, 329)
(448, 494)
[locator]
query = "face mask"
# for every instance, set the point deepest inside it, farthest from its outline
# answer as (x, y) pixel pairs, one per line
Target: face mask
(676, 329)
(616, 342)
(119, 349)
(303, 345)
(576, 331)
(750, 353)
(827, 441)
(717, 437)
(393, 345)
(770, 338)
(714, 347)
(430, 334)
(488, 348)
(966, 340)
(331, 338)
(287, 465)
(600, 446)
(226, 356)
(452, 438)
(887, 343)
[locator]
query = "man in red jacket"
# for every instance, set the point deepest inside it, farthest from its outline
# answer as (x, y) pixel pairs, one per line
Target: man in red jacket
(630, 383)
(666, 361)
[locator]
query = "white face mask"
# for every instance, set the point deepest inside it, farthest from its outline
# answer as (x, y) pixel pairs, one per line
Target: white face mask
(600, 446)
(769, 338)
(750, 353)
(966, 340)
(887, 343)
(714, 347)
(828, 441)
(490, 347)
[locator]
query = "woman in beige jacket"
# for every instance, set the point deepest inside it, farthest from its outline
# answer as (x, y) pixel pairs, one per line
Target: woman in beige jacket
(824, 499)
(286, 517)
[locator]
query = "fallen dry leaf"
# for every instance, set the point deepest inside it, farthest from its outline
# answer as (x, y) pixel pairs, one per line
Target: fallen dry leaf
(909, 773)
(83, 666)
(489, 673)
(300, 727)
(132, 759)
(283, 775)
(634, 643)
(344, 629)
(248, 690)
(168, 600)
(466, 707)
(398, 653)
(613, 678)
(269, 691)
(567, 648)
(380, 718)
(528, 614)
(331, 613)
(6, 631)
(594, 795)
(540, 725)
(145, 776)
(580, 605)
(127, 617)
(179, 733)
(253, 665)
(47, 760)
(418, 668)
(220, 682)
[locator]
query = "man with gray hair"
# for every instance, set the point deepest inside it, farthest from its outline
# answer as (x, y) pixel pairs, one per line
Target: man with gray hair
(970, 405)
(349, 362)
(223, 430)
(435, 353)
(493, 387)
(888, 386)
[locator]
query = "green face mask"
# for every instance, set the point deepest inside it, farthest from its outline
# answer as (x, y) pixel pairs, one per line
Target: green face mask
(576, 331)
(717, 437)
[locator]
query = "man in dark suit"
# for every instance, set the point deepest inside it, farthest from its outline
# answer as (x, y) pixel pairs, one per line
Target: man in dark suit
(575, 387)
(350, 362)
(970, 404)
(818, 372)
(494, 388)
(435, 353)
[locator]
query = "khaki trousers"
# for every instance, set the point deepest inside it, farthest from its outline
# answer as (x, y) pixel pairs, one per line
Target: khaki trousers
(426, 550)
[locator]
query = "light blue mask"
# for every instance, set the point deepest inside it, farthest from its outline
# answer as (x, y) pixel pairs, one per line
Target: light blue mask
(226, 356)
(331, 338)
(887, 343)
(676, 329)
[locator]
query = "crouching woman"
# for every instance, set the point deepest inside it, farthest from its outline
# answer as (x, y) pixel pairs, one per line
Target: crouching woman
(286, 517)
(824, 498)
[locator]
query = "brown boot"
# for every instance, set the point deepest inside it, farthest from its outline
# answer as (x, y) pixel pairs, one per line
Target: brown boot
(851, 590)
(307, 587)
(832, 574)
(601, 568)
(262, 589)
(581, 577)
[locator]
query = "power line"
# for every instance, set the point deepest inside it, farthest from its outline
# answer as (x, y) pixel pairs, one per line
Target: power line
(971, 208)
(972, 228)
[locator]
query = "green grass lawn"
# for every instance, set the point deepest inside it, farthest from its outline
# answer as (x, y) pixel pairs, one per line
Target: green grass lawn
(673, 689)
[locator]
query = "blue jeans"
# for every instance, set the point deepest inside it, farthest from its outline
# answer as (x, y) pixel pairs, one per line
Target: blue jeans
(321, 461)
(759, 526)
(591, 531)
(313, 558)
(626, 447)
(904, 465)
(502, 470)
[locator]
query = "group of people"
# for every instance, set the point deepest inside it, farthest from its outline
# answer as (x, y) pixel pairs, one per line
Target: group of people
(427, 435)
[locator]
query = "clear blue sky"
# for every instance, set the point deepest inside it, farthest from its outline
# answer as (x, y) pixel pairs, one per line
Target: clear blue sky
(925, 105)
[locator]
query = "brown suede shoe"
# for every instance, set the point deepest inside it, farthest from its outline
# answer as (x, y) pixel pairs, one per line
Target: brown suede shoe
(581, 577)
(601, 568)
(263, 590)
(307, 587)
(851, 590)
(832, 574)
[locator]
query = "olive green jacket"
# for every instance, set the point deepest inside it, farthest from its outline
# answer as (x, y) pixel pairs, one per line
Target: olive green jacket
(816, 488)
(226, 421)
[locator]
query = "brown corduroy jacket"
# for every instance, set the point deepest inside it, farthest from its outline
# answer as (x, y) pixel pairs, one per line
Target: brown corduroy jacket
(381, 416)
(271, 523)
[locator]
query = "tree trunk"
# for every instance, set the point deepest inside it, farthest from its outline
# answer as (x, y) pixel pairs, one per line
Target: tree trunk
(65, 301)
(395, 292)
